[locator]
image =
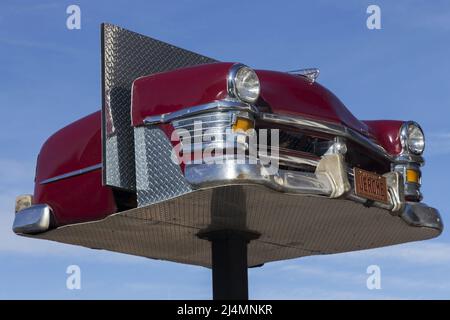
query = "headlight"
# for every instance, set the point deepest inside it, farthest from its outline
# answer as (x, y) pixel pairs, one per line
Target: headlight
(412, 137)
(243, 83)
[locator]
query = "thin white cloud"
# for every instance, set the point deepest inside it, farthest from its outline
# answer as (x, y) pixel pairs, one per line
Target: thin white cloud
(323, 272)
(33, 7)
(421, 16)
(16, 172)
(405, 274)
(163, 290)
(431, 253)
(40, 45)
(438, 143)
(314, 293)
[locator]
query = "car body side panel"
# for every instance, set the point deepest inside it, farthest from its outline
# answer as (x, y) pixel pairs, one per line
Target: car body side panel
(81, 197)
(77, 199)
(74, 147)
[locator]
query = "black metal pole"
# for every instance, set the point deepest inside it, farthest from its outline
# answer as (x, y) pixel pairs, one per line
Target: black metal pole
(229, 263)
(229, 241)
(229, 266)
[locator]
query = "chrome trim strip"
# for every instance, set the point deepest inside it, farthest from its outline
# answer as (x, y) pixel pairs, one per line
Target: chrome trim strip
(306, 124)
(334, 129)
(202, 176)
(289, 159)
(231, 86)
(72, 173)
(219, 105)
(404, 137)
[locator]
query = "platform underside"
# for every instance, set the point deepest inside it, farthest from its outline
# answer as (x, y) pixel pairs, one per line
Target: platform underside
(290, 226)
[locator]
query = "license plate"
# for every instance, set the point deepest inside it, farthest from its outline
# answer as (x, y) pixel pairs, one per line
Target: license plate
(370, 185)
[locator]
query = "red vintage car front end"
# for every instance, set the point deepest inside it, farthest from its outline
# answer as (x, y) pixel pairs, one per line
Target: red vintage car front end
(221, 146)
(312, 124)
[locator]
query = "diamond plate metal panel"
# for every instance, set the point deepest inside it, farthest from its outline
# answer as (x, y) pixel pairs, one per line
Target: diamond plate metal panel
(126, 56)
(158, 178)
(291, 226)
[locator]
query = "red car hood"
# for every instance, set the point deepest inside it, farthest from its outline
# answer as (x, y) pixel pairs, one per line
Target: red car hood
(294, 95)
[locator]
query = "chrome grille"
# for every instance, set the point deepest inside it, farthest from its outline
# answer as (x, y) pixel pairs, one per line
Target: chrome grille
(212, 132)
(212, 125)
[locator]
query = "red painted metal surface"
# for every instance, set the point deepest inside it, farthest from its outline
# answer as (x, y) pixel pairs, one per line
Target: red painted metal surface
(79, 198)
(174, 90)
(387, 133)
(285, 94)
(294, 95)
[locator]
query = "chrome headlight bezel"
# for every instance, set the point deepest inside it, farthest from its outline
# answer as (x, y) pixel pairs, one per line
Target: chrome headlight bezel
(408, 144)
(235, 84)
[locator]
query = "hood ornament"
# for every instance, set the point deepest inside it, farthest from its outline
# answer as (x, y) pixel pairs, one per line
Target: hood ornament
(311, 74)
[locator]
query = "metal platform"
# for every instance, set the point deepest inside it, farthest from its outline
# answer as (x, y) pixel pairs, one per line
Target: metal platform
(290, 226)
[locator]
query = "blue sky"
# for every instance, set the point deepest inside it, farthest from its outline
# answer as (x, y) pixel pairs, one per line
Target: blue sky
(50, 76)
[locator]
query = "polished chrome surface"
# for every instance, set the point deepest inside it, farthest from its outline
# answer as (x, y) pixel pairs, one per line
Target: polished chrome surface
(331, 179)
(211, 131)
(409, 160)
(235, 84)
(72, 173)
(232, 89)
(220, 105)
(332, 129)
(210, 124)
(338, 147)
(420, 215)
(341, 134)
(406, 158)
(406, 150)
(230, 173)
(310, 73)
(412, 190)
(231, 86)
(305, 124)
(334, 168)
(32, 220)
(290, 160)
(396, 192)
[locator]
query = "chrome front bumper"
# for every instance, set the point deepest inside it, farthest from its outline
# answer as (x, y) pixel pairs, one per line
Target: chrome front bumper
(332, 179)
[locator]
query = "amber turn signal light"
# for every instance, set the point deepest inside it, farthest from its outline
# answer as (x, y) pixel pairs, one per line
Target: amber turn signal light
(243, 124)
(412, 176)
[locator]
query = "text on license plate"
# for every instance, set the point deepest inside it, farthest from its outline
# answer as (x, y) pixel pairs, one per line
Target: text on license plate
(370, 185)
